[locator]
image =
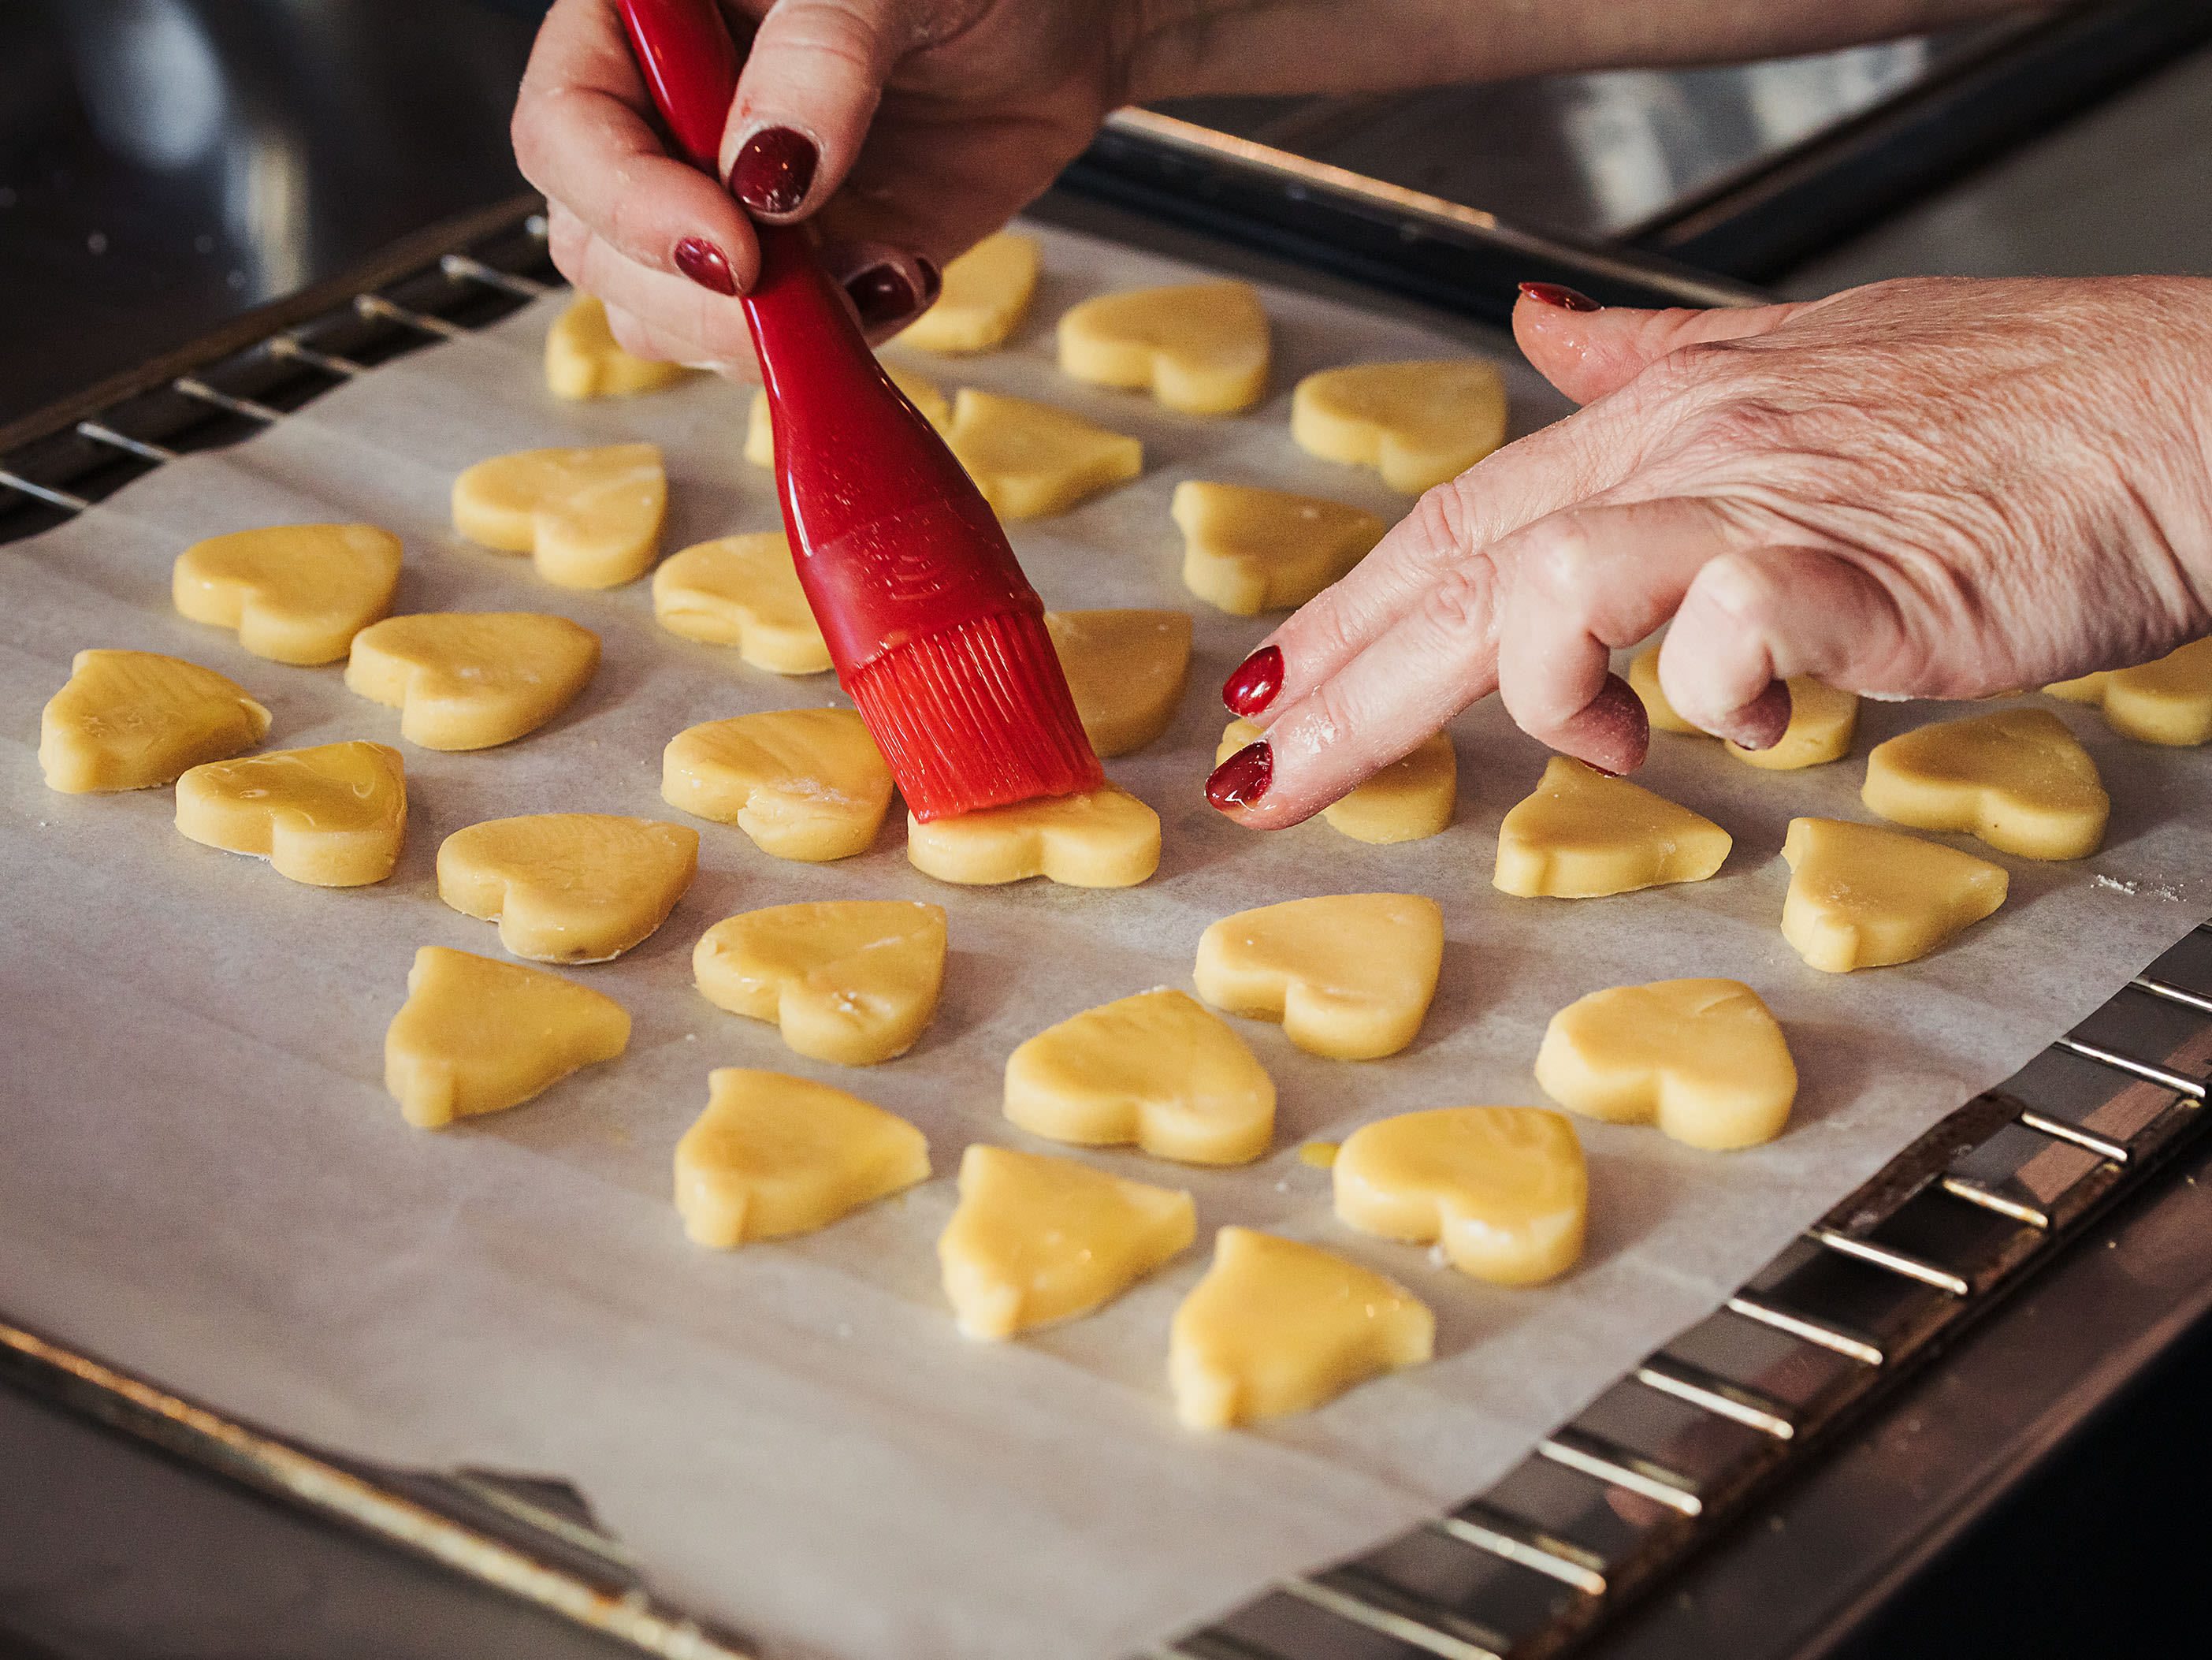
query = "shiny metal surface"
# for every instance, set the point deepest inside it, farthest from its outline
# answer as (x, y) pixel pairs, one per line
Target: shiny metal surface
(166, 164)
(1588, 154)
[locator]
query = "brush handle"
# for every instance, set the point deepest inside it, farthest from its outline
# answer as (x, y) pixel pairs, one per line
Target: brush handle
(892, 540)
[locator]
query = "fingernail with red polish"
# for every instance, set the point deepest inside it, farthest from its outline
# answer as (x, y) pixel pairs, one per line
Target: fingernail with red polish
(1242, 779)
(1614, 723)
(1760, 724)
(705, 265)
(881, 294)
(1555, 294)
(932, 280)
(772, 171)
(1256, 683)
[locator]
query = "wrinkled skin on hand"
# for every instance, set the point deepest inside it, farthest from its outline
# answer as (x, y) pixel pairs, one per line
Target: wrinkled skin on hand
(935, 119)
(1933, 488)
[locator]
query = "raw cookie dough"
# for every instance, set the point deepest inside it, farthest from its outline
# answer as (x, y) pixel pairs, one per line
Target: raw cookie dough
(583, 360)
(1822, 720)
(469, 680)
(1158, 1069)
(772, 1156)
(742, 590)
(807, 784)
(1583, 835)
(921, 392)
(589, 518)
(1249, 550)
(1037, 1239)
(333, 816)
(848, 981)
(131, 719)
(1703, 1059)
(568, 887)
(296, 593)
(1032, 460)
(1350, 976)
(1278, 1326)
(1100, 838)
(1417, 423)
(1407, 801)
(1862, 898)
(1503, 1189)
(986, 291)
(2017, 779)
(477, 1036)
(2168, 701)
(1126, 670)
(1198, 347)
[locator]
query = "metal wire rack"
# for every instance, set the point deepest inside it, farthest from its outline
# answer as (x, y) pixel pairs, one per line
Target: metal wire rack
(1598, 1513)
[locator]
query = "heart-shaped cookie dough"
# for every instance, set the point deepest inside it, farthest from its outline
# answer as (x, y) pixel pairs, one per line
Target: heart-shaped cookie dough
(1862, 898)
(1126, 670)
(296, 593)
(986, 291)
(333, 816)
(1100, 838)
(2017, 779)
(742, 590)
(1037, 1239)
(470, 680)
(921, 392)
(1198, 347)
(806, 784)
(850, 980)
(1249, 550)
(772, 1156)
(1032, 460)
(1503, 1189)
(1417, 423)
(568, 887)
(1278, 1325)
(1702, 1059)
(132, 719)
(1411, 799)
(2168, 701)
(1158, 1069)
(477, 1036)
(1583, 835)
(588, 518)
(1350, 976)
(583, 360)
(1822, 720)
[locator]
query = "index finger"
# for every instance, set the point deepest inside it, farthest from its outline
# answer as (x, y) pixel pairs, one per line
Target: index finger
(583, 135)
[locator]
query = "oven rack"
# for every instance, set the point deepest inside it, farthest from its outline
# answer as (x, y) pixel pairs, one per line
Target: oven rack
(1608, 1503)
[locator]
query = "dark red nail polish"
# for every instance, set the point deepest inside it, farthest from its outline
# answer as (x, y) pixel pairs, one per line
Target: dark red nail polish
(772, 171)
(932, 280)
(1555, 294)
(1244, 778)
(881, 294)
(1614, 722)
(1256, 683)
(1760, 724)
(705, 265)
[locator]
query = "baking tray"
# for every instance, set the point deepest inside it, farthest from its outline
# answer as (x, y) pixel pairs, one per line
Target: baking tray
(1607, 1503)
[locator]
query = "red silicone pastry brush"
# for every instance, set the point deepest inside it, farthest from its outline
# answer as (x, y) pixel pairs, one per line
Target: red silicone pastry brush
(934, 630)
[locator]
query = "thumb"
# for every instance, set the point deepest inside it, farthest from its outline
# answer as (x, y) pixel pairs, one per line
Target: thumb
(1587, 350)
(811, 83)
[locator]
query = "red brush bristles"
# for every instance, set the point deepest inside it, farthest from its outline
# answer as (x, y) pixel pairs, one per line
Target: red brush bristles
(977, 716)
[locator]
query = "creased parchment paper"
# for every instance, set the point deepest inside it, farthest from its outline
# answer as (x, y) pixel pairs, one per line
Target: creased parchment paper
(203, 1180)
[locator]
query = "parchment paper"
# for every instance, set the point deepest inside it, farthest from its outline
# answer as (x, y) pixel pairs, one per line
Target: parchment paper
(203, 1180)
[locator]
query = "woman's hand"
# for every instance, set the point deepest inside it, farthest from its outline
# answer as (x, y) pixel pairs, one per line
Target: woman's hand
(905, 128)
(1933, 488)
